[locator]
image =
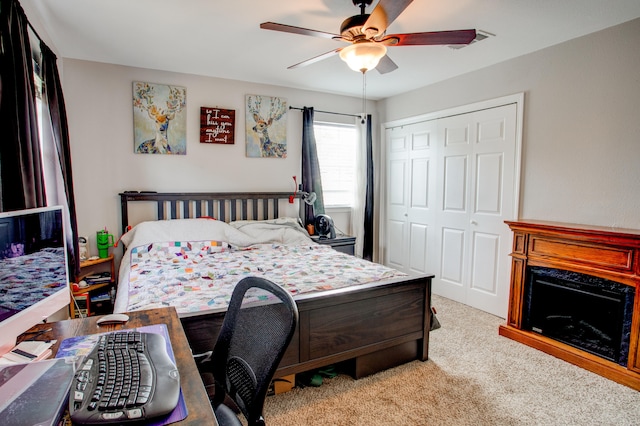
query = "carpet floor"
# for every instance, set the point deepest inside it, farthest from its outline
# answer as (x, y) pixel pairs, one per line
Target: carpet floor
(473, 377)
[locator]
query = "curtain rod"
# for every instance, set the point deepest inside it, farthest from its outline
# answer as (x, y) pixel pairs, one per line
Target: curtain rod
(329, 112)
(30, 25)
(34, 30)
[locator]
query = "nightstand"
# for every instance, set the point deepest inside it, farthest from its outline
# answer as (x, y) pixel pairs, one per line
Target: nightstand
(341, 243)
(83, 296)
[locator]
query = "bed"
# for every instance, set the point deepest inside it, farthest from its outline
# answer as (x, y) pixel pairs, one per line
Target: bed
(360, 314)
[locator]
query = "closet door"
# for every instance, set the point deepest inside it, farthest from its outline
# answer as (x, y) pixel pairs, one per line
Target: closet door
(476, 195)
(411, 196)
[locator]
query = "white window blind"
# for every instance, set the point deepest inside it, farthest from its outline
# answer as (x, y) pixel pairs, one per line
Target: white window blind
(336, 144)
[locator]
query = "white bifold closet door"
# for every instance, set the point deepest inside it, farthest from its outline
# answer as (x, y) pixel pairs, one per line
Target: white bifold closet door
(451, 184)
(411, 189)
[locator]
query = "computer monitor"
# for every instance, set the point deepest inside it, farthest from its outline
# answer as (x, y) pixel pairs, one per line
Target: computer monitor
(34, 279)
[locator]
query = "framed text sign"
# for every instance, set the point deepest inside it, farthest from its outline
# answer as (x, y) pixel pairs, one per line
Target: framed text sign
(217, 125)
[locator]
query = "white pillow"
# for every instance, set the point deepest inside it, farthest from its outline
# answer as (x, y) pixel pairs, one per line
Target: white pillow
(284, 230)
(293, 222)
(176, 230)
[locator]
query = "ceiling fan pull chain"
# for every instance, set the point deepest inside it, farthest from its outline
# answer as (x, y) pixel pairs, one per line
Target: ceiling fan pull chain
(364, 96)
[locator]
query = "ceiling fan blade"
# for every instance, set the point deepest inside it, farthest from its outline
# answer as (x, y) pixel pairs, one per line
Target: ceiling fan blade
(386, 65)
(315, 59)
(296, 30)
(429, 38)
(384, 14)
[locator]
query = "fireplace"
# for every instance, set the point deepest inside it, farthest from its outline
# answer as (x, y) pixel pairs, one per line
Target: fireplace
(575, 294)
(589, 313)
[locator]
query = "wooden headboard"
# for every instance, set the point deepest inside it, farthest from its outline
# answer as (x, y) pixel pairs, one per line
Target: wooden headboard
(225, 206)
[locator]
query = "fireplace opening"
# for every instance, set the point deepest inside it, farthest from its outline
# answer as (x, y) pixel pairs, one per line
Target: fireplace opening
(586, 312)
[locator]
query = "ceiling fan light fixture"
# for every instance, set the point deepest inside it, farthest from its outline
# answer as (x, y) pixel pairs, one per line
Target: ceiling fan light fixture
(363, 57)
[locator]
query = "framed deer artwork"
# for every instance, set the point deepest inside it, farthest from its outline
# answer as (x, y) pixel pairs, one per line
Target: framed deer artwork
(159, 119)
(266, 126)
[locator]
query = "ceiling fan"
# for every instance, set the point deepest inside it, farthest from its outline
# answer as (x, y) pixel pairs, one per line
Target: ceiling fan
(367, 35)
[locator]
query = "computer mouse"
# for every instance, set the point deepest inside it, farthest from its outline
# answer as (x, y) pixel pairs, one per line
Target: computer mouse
(113, 319)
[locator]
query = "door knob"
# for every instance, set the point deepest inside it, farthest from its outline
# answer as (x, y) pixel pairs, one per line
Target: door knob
(473, 222)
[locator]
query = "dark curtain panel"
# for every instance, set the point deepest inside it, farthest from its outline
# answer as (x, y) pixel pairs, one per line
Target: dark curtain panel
(21, 176)
(58, 115)
(367, 247)
(311, 181)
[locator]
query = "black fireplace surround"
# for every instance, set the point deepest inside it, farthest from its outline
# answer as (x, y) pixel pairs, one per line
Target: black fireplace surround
(586, 312)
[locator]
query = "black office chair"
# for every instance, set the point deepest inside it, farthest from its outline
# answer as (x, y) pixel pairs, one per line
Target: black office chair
(255, 333)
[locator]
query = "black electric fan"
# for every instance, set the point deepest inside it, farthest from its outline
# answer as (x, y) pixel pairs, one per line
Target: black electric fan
(324, 226)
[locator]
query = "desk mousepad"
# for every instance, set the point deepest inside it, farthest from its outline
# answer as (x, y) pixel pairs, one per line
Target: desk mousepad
(81, 346)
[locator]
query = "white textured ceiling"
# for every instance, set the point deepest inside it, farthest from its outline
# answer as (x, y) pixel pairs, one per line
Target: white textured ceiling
(223, 39)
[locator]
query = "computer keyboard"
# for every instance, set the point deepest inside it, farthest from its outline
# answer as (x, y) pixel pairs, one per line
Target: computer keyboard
(127, 377)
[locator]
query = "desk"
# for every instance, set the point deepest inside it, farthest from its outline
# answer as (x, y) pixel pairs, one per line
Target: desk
(195, 395)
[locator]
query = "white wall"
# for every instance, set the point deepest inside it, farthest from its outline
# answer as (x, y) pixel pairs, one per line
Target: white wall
(100, 113)
(580, 148)
(581, 144)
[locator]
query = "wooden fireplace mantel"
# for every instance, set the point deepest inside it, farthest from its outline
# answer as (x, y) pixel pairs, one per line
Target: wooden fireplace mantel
(608, 253)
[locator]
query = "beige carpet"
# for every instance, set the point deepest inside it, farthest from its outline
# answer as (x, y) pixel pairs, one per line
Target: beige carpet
(473, 377)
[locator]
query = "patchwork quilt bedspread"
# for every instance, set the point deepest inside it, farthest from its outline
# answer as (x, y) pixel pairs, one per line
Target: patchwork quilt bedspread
(196, 276)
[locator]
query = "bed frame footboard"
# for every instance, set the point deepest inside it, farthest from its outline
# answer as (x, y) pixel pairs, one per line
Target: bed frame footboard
(369, 328)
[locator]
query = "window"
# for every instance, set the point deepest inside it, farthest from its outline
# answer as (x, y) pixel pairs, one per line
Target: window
(48, 152)
(336, 144)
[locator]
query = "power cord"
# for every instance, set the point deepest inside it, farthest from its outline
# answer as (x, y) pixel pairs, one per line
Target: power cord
(339, 232)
